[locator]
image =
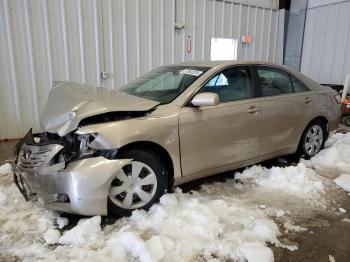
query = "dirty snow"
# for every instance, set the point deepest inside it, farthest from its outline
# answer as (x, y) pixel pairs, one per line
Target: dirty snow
(233, 220)
(289, 226)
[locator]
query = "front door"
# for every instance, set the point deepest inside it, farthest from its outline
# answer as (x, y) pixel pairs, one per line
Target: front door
(218, 136)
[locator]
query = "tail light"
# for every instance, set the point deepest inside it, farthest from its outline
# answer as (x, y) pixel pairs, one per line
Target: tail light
(346, 103)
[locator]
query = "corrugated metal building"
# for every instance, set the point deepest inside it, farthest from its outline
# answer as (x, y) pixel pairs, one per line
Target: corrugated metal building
(326, 46)
(42, 41)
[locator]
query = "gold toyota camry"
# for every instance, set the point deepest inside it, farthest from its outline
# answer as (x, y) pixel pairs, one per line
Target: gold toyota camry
(112, 151)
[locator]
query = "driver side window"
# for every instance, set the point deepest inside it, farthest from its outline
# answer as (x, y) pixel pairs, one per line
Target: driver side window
(231, 85)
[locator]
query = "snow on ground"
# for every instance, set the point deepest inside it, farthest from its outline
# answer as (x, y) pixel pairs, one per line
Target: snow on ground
(182, 227)
(233, 220)
(336, 156)
(299, 180)
(342, 181)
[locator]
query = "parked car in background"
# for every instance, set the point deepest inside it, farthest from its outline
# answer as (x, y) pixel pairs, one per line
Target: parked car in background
(112, 151)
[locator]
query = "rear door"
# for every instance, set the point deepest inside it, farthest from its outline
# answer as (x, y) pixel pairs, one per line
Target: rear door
(217, 136)
(287, 106)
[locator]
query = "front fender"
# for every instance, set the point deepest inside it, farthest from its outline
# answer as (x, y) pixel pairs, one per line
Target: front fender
(88, 182)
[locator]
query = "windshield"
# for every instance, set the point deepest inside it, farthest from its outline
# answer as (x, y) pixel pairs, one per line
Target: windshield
(164, 84)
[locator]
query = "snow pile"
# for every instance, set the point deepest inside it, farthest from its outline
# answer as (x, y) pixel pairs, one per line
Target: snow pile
(3, 199)
(227, 221)
(343, 181)
(336, 155)
(5, 169)
(182, 227)
(51, 236)
(188, 227)
(254, 252)
(24, 226)
(87, 232)
(62, 222)
(296, 180)
(213, 223)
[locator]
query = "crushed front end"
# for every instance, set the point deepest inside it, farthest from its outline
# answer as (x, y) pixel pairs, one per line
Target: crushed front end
(66, 173)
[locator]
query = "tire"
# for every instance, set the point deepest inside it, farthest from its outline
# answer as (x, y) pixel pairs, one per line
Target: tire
(346, 120)
(129, 190)
(313, 139)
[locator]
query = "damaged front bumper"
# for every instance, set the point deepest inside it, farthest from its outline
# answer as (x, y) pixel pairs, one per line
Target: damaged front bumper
(80, 187)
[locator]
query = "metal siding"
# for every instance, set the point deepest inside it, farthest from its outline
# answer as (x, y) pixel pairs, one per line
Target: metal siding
(9, 95)
(318, 3)
(326, 48)
(43, 41)
(279, 36)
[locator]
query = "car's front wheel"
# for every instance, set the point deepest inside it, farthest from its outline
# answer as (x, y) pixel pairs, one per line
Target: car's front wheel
(139, 184)
(313, 139)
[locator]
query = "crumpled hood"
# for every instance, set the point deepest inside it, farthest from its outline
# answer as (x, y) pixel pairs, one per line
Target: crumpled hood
(68, 103)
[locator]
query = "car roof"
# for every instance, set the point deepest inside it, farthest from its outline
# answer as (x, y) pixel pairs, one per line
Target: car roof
(210, 64)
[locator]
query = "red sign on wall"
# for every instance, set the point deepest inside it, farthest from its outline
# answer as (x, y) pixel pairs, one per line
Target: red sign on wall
(247, 39)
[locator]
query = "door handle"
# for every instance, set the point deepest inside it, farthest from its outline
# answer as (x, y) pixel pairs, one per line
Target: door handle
(253, 110)
(307, 100)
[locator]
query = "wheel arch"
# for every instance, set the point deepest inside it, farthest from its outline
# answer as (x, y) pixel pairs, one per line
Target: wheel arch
(321, 118)
(324, 120)
(157, 149)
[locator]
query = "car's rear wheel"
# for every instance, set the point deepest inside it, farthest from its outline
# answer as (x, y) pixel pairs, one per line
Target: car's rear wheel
(139, 184)
(346, 120)
(313, 139)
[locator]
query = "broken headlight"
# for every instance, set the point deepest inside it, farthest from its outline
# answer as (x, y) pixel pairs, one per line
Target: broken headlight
(93, 144)
(84, 149)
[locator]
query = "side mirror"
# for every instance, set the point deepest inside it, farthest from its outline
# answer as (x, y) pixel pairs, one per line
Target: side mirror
(205, 99)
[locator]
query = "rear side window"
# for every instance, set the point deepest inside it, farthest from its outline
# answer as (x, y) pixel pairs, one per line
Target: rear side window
(298, 86)
(274, 81)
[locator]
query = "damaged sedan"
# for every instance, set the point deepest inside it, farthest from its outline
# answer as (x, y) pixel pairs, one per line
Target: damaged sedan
(108, 151)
